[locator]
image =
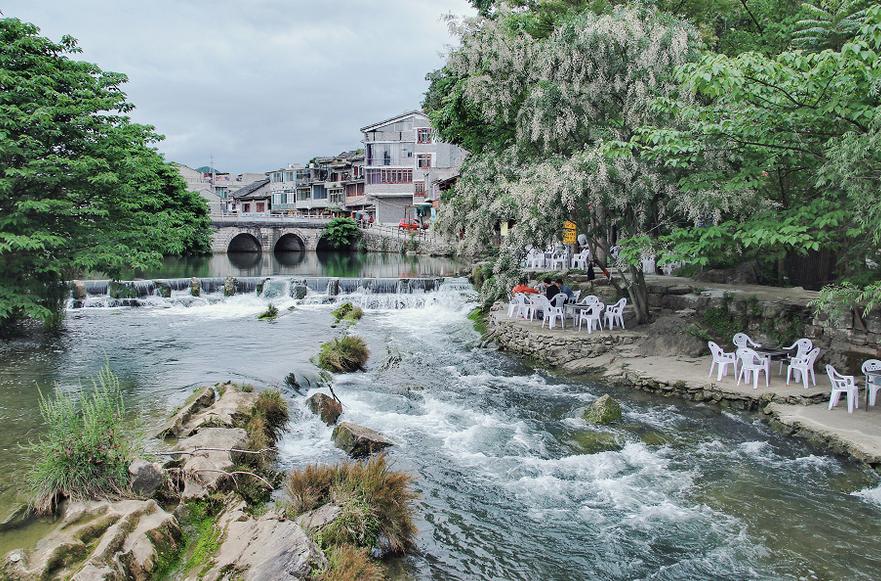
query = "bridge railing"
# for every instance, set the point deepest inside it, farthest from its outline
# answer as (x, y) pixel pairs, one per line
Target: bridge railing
(393, 231)
(237, 220)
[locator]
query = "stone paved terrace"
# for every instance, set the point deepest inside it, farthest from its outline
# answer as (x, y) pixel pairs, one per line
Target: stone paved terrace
(858, 434)
(617, 356)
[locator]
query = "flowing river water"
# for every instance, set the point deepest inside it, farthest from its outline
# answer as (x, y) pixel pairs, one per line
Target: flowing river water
(513, 483)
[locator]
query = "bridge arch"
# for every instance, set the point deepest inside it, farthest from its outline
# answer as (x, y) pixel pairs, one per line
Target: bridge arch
(244, 242)
(289, 242)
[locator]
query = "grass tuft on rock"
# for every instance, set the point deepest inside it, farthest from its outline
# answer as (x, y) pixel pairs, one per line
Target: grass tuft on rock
(376, 503)
(87, 448)
(347, 312)
(264, 426)
(343, 355)
(270, 314)
(346, 563)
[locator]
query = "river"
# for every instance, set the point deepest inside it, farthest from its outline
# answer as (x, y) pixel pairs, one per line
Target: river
(512, 482)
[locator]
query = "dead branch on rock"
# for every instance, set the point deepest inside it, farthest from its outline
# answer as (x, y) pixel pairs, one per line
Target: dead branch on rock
(194, 451)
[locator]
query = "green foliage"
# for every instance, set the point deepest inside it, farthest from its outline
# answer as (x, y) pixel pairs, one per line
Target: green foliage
(828, 24)
(270, 314)
(343, 355)
(341, 233)
(200, 542)
(347, 562)
(264, 426)
(376, 503)
(82, 188)
(478, 316)
(347, 312)
(87, 448)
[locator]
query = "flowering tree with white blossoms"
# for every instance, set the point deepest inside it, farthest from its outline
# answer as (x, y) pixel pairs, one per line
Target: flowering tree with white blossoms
(571, 102)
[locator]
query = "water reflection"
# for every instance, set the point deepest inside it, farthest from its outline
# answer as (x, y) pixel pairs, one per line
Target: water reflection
(335, 264)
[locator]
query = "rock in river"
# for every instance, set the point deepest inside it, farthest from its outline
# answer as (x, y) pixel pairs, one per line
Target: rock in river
(325, 406)
(358, 441)
(604, 410)
(145, 478)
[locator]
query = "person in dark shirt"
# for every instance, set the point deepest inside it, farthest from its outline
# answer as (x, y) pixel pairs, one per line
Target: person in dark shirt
(565, 289)
(552, 290)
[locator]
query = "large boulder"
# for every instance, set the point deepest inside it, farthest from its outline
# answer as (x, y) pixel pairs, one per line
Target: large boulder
(604, 410)
(325, 406)
(358, 441)
(205, 471)
(229, 410)
(98, 540)
(669, 335)
(145, 478)
(268, 547)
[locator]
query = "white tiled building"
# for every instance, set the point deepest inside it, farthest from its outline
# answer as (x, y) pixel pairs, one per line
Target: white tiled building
(402, 160)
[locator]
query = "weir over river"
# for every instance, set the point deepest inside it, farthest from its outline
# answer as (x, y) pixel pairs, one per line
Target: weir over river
(513, 483)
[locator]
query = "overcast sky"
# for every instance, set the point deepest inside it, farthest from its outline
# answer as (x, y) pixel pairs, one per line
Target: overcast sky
(257, 83)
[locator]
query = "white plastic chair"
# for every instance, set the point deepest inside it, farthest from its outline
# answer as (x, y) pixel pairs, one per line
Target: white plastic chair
(581, 259)
(751, 364)
(872, 385)
(591, 314)
(555, 311)
(517, 305)
(742, 340)
(722, 360)
(845, 384)
(559, 259)
(802, 347)
(615, 314)
(803, 365)
(535, 259)
(534, 303)
(576, 295)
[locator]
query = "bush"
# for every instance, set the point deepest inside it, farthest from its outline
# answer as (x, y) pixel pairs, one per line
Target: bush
(348, 312)
(273, 408)
(343, 355)
(346, 563)
(269, 314)
(341, 233)
(264, 426)
(87, 449)
(376, 503)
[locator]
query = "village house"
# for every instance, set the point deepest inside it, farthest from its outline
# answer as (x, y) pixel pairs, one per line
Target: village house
(252, 200)
(216, 187)
(402, 160)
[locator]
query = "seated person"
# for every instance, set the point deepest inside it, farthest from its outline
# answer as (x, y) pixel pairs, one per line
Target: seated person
(523, 288)
(565, 289)
(552, 289)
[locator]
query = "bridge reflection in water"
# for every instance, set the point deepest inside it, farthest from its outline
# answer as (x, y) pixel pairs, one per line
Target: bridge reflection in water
(308, 263)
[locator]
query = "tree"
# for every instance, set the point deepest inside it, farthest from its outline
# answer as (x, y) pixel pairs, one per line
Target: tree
(828, 24)
(782, 155)
(341, 233)
(81, 187)
(572, 101)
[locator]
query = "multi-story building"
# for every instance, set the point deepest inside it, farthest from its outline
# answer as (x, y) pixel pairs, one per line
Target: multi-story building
(402, 159)
(283, 187)
(323, 185)
(216, 187)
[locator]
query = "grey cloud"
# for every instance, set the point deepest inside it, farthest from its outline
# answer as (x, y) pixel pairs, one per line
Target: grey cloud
(258, 84)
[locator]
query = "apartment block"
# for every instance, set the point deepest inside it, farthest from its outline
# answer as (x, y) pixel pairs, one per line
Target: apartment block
(403, 158)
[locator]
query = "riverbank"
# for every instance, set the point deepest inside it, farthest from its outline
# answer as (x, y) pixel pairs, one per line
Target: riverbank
(641, 360)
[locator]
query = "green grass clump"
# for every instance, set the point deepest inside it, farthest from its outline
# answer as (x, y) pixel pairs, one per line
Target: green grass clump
(264, 426)
(347, 312)
(347, 562)
(376, 503)
(270, 314)
(201, 541)
(87, 448)
(343, 355)
(478, 317)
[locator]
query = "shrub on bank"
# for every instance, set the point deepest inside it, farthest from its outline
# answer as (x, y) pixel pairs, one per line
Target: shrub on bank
(87, 448)
(343, 355)
(347, 312)
(376, 503)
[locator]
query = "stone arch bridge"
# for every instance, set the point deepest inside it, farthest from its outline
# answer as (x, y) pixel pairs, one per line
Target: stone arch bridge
(260, 234)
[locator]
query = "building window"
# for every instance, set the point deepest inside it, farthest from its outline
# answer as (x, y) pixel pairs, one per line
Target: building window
(389, 176)
(261, 206)
(276, 199)
(419, 188)
(423, 160)
(423, 135)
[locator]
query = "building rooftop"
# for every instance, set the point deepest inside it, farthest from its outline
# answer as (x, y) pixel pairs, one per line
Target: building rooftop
(253, 191)
(373, 126)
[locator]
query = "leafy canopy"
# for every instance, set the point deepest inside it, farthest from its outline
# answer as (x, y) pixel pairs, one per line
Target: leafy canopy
(81, 187)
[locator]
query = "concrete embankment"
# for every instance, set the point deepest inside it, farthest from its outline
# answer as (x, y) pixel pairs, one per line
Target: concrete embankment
(662, 359)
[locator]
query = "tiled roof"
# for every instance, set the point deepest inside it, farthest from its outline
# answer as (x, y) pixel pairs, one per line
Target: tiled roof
(253, 191)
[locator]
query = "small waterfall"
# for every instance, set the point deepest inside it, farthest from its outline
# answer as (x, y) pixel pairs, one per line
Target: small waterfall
(369, 293)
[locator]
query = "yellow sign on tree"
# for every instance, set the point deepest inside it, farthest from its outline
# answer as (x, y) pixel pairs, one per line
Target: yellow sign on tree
(570, 232)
